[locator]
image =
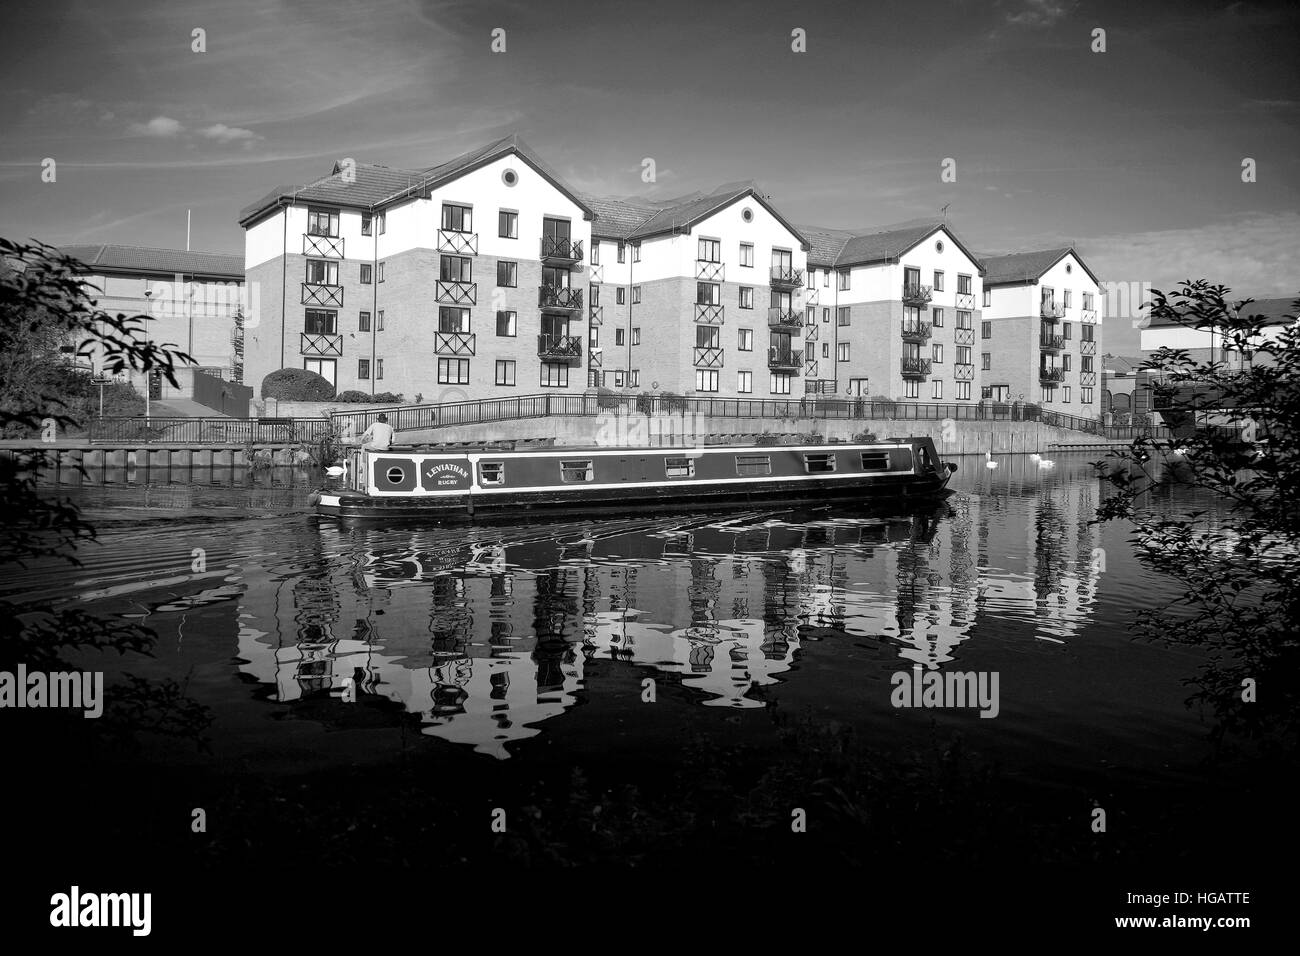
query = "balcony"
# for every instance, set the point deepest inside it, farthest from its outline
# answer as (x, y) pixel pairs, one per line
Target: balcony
(596, 274)
(1051, 376)
(595, 358)
(320, 343)
(322, 247)
(457, 243)
(560, 348)
(558, 250)
(708, 314)
(554, 298)
(780, 317)
(916, 331)
(709, 271)
(963, 373)
(786, 278)
(456, 292)
(453, 343)
(916, 367)
(597, 315)
(812, 333)
(821, 386)
(708, 358)
(810, 368)
(1051, 343)
(1088, 316)
(1050, 309)
(966, 301)
(916, 295)
(1087, 379)
(785, 359)
(329, 296)
(1088, 347)
(963, 336)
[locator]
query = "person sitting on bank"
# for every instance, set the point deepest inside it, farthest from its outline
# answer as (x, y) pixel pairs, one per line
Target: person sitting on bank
(379, 436)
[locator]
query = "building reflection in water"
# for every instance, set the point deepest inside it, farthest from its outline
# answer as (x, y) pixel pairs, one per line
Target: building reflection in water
(486, 634)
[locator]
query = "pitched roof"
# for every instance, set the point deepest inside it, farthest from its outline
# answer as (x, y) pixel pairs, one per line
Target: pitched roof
(142, 259)
(1121, 364)
(870, 247)
(1275, 312)
(824, 245)
(1027, 266)
(368, 186)
(618, 218)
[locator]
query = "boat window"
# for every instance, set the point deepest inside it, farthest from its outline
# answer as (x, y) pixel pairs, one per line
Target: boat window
(491, 473)
(395, 475)
(576, 470)
(819, 463)
(680, 467)
(753, 465)
(875, 461)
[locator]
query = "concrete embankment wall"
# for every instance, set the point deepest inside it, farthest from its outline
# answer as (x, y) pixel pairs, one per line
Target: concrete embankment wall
(963, 437)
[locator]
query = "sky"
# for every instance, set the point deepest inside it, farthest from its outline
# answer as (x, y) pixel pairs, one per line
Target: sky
(1134, 154)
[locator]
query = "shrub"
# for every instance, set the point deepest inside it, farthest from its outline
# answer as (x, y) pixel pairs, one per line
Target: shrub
(672, 402)
(864, 438)
(606, 398)
(767, 438)
(297, 385)
(352, 395)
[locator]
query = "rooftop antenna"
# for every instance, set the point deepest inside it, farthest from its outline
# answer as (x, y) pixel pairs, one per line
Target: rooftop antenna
(187, 230)
(944, 212)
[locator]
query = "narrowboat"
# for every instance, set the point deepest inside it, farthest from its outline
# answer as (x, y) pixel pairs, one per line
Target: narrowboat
(405, 483)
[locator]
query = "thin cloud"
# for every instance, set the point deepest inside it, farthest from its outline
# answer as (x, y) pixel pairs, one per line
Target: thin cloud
(161, 127)
(229, 134)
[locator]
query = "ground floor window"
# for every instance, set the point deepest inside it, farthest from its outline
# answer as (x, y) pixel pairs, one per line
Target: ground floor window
(505, 372)
(1085, 396)
(634, 377)
(963, 390)
(996, 393)
(555, 375)
(706, 380)
(744, 382)
(936, 388)
(453, 371)
(857, 386)
(322, 367)
(779, 384)
(363, 368)
(1065, 393)
(911, 388)
(1049, 393)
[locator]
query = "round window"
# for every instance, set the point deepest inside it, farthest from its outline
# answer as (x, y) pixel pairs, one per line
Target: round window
(938, 246)
(510, 177)
(747, 215)
(1068, 268)
(395, 475)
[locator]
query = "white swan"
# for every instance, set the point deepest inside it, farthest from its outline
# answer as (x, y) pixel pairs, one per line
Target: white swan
(1044, 464)
(988, 461)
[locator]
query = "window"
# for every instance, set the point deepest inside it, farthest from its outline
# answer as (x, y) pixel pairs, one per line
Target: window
(636, 335)
(679, 467)
(963, 390)
(593, 292)
(826, 279)
(508, 224)
(747, 255)
(911, 388)
(457, 218)
(1065, 393)
(326, 368)
(367, 224)
(555, 375)
(706, 380)
(320, 322)
(963, 354)
(622, 251)
(708, 293)
(1085, 396)
(363, 368)
(492, 472)
(936, 352)
(367, 273)
(819, 463)
(746, 343)
(750, 465)
(875, 461)
(634, 377)
(826, 350)
(1066, 331)
(988, 298)
(779, 383)
(363, 322)
(323, 222)
(593, 337)
(986, 330)
(746, 297)
(452, 319)
(505, 372)
(455, 268)
(938, 280)
(782, 261)
(842, 315)
(619, 336)
(986, 359)
(997, 393)
(453, 371)
(508, 274)
(936, 388)
(1087, 301)
(1048, 393)
(844, 280)
(1086, 332)
(576, 469)
(618, 379)
(842, 352)
(963, 284)
(826, 314)
(507, 323)
(595, 252)
(936, 315)
(380, 267)
(381, 219)
(1065, 301)
(963, 319)
(620, 296)
(379, 368)
(1085, 363)
(636, 252)
(320, 272)
(636, 295)
(379, 323)
(859, 386)
(710, 250)
(744, 382)
(1065, 362)
(708, 337)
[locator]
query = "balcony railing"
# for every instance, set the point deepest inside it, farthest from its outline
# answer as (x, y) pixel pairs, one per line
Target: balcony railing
(1088, 316)
(915, 367)
(1051, 376)
(916, 331)
(457, 243)
(595, 358)
(784, 358)
(560, 348)
(916, 294)
(810, 367)
(1087, 378)
(329, 296)
(812, 332)
(457, 292)
(709, 271)
(561, 249)
(320, 343)
(963, 336)
(966, 301)
(1052, 343)
(322, 247)
(708, 314)
(1050, 309)
(1088, 347)
(781, 277)
(454, 343)
(596, 273)
(708, 358)
(597, 315)
(963, 372)
(780, 317)
(554, 298)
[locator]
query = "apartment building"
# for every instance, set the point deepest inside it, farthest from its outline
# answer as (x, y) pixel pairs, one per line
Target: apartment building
(893, 313)
(456, 281)
(698, 295)
(188, 300)
(1040, 337)
(1207, 345)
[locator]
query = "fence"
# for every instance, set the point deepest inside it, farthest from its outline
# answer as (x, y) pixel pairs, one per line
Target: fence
(210, 431)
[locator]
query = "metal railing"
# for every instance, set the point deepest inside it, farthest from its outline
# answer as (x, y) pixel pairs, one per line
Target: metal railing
(784, 358)
(322, 247)
(559, 298)
(783, 276)
(709, 314)
(209, 431)
(454, 343)
(916, 330)
(783, 316)
(561, 248)
(457, 243)
(329, 296)
(916, 367)
(566, 347)
(916, 294)
(1053, 343)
